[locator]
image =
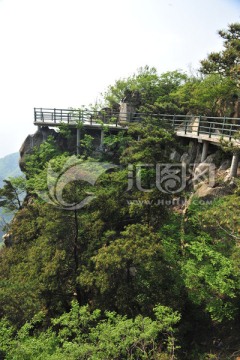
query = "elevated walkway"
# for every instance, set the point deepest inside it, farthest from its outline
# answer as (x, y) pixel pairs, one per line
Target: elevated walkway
(203, 128)
(211, 129)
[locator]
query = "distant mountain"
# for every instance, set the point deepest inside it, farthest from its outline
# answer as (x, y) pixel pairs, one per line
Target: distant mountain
(8, 168)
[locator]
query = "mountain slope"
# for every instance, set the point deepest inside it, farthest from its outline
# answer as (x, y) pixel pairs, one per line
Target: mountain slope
(9, 166)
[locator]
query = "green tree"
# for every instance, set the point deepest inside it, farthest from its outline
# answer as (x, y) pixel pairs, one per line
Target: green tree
(210, 261)
(146, 90)
(211, 95)
(227, 61)
(84, 334)
(12, 193)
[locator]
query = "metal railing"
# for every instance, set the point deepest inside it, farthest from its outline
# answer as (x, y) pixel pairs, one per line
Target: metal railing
(194, 126)
(56, 117)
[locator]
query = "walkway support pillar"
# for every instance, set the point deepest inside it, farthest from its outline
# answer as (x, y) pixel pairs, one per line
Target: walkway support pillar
(44, 133)
(101, 140)
(234, 165)
(204, 150)
(78, 141)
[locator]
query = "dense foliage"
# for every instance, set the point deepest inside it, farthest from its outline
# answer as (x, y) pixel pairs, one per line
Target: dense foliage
(126, 276)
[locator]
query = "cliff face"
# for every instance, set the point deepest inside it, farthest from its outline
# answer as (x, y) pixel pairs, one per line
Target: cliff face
(187, 153)
(204, 188)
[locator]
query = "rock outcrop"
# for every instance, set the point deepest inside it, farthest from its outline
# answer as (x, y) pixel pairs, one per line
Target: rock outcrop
(7, 239)
(206, 192)
(32, 141)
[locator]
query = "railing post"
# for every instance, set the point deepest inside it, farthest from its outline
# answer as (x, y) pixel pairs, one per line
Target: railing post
(35, 115)
(186, 125)
(210, 129)
(130, 117)
(223, 124)
(173, 124)
(230, 132)
(199, 122)
(54, 115)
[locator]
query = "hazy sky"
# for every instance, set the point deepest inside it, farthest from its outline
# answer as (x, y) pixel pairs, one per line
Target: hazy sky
(64, 53)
